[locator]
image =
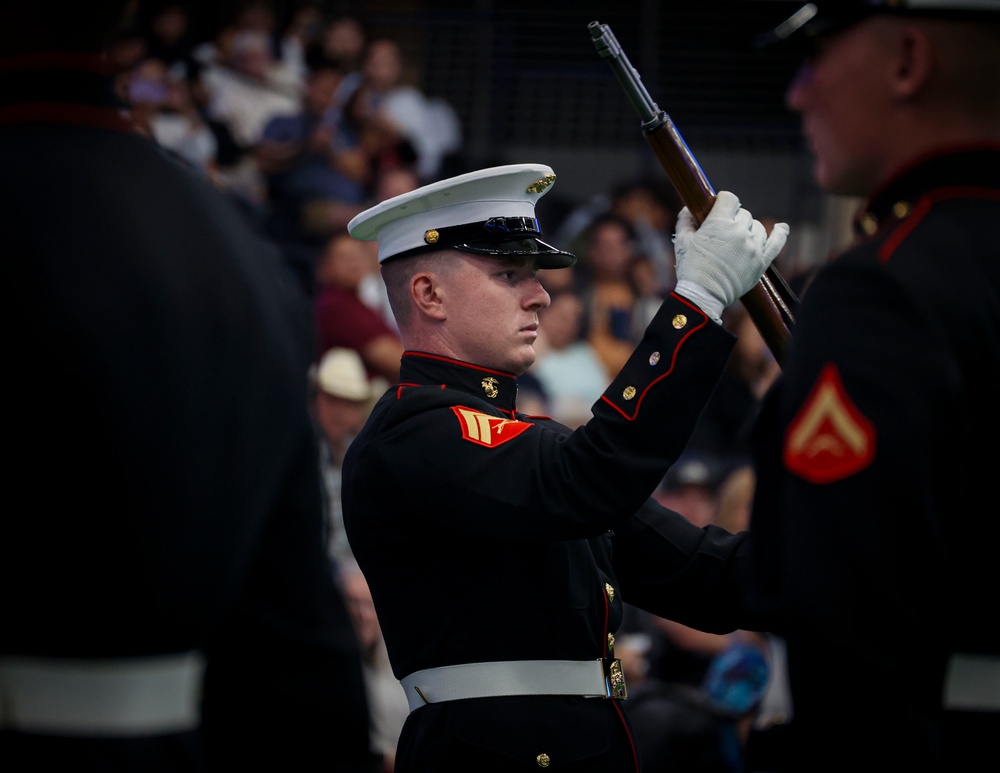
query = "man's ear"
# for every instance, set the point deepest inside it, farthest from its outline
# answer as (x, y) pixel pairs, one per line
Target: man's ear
(425, 295)
(916, 58)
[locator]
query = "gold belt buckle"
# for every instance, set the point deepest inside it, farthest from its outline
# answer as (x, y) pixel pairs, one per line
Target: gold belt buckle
(614, 679)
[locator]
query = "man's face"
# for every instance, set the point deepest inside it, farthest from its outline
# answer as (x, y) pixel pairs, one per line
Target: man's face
(491, 305)
(562, 322)
(320, 89)
(346, 261)
(842, 94)
(610, 251)
(339, 419)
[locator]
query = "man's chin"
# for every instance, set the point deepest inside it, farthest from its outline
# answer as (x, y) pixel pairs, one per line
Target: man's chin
(523, 360)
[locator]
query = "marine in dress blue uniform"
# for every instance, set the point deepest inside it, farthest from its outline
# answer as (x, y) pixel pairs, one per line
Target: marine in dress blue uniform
(874, 514)
(168, 603)
(499, 546)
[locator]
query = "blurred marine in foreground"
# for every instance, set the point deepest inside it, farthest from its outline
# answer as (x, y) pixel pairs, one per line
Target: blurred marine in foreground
(168, 603)
(874, 519)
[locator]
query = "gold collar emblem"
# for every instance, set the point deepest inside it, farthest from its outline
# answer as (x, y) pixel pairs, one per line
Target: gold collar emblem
(489, 385)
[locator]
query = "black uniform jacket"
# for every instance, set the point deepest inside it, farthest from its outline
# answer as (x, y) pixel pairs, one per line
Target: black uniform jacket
(875, 522)
(488, 535)
(159, 449)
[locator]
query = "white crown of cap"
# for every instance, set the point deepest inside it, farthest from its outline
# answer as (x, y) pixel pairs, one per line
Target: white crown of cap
(400, 223)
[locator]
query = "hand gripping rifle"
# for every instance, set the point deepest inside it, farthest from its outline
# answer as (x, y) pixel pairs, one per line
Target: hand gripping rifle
(770, 302)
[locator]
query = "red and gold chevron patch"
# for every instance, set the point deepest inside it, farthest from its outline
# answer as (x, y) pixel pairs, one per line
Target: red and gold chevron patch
(829, 439)
(486, 430)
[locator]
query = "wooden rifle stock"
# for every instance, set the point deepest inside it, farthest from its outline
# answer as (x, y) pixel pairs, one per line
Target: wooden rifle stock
(770, 303)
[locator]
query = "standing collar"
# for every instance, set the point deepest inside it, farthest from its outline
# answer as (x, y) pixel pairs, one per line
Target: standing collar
(969, 168)
(495, 386)
(61, 87)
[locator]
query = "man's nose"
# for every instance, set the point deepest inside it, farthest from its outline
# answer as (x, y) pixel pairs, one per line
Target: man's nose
(539, 297)
(797, 86)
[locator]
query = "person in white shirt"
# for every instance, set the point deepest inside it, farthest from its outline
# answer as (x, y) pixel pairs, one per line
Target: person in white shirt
(568, 366)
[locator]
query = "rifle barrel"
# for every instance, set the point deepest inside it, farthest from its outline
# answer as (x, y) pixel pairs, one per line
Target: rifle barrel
(770, 303)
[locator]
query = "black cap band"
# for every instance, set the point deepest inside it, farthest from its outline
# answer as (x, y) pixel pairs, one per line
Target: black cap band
(513, 236)
(496, 229)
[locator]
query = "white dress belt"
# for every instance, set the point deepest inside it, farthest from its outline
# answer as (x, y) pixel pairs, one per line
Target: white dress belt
(972, 682)
(149, 695)
(587, 678)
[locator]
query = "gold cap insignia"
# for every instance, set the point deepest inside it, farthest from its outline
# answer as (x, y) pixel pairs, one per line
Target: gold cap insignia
(431, 236)
(540, 185)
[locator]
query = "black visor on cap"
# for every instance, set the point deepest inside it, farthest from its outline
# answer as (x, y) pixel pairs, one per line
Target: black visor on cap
(501, 236)
(813, 20)
(807, 23)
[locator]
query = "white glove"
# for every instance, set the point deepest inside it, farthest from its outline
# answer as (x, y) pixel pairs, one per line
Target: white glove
(720, 261)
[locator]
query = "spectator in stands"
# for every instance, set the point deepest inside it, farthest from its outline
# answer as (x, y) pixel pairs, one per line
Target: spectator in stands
(341, 396)
(607, 288)
(649, 292)
(163, 108)
(682, 654)
(555, 280)
(302, 34)
(700, 726)
(429, 125)
(316, 174)
(170, 39)
(245, 86)
(765, 739)
(387, 702)
(569, 368)
(345, 40)
(343, 319)
(651, 205)
(690, 487)
(390, 181)
(127, 47)
(705, 699)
